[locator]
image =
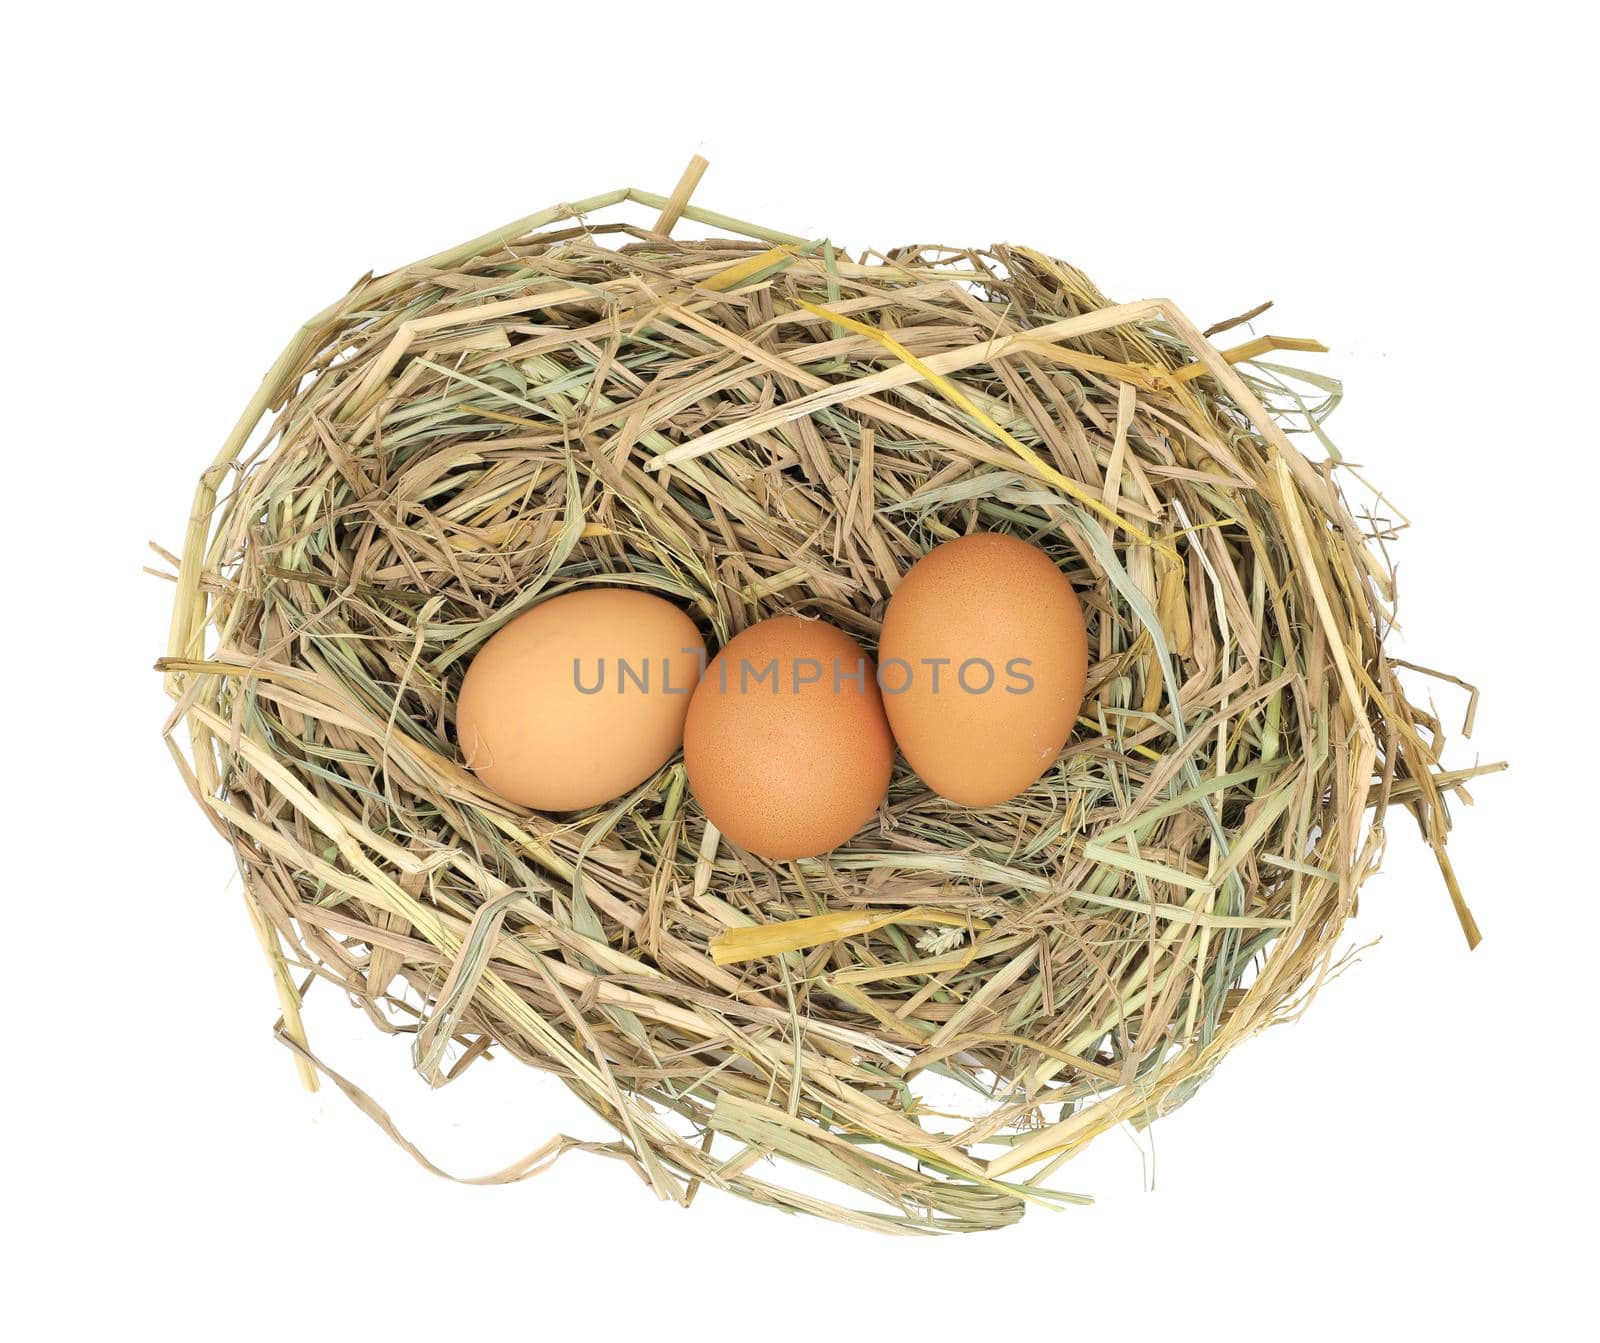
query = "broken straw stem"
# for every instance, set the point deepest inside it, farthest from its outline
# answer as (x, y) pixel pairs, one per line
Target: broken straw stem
(673, 210)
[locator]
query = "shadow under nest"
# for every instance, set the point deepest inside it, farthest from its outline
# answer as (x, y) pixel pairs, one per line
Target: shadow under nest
(757, 425)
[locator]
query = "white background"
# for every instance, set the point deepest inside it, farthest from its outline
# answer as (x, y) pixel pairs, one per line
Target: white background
(185, 187)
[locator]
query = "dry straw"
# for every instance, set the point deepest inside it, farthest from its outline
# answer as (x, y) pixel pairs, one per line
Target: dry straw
(935, 1016)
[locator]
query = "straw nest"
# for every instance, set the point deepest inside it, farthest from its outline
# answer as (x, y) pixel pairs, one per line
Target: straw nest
(913, 1032)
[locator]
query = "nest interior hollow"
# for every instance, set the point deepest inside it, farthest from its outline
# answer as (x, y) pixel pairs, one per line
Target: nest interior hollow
(758, 424)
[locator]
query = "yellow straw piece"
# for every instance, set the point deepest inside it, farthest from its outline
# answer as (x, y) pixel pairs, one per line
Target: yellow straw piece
(774, 939)
(741, 271)
(1251, 349)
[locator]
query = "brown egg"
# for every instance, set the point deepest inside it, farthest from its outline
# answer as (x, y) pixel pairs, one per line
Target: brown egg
(580, 698)
(786, 745)
(983, 663)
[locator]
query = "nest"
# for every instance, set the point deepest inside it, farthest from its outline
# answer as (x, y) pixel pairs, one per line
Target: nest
(910, 1033)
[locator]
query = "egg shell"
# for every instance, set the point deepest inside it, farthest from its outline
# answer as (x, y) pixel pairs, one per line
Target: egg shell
(792, 766)
(983, 602)
(554, 736)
